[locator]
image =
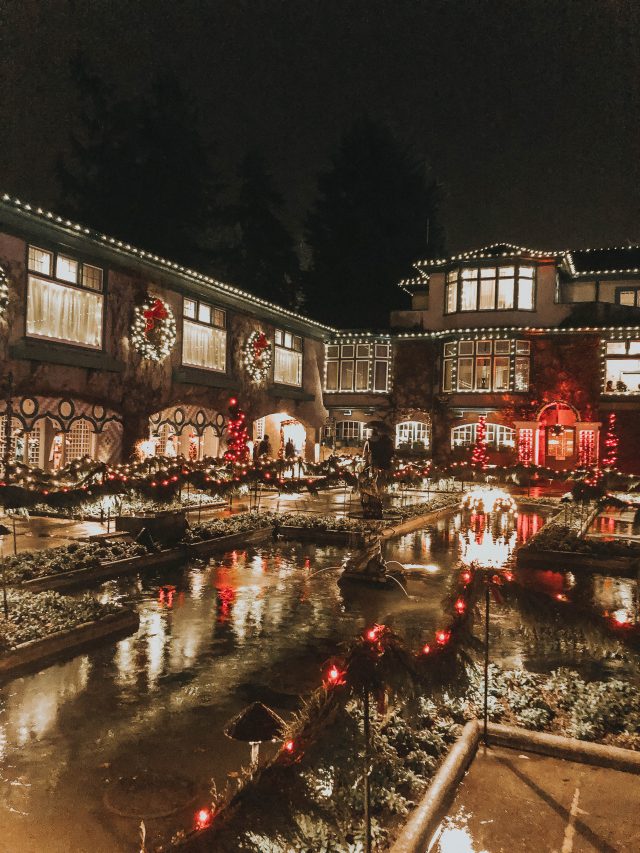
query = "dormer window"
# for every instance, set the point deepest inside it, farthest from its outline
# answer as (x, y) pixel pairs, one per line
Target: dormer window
(499, 288)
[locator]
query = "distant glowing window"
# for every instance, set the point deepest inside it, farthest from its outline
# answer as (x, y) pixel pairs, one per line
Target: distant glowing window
(413, 435)
(502, 288)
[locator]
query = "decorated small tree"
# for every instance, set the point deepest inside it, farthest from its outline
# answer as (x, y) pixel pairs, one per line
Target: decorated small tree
(237, 449)
(611, 441)
(479, 457)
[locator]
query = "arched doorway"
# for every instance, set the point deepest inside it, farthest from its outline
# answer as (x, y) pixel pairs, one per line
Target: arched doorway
(280, 428)
(558, 438)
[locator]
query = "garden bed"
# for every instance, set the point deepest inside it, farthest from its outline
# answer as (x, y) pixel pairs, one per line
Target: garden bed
(43, 626)
(225, 543)
(115, 568)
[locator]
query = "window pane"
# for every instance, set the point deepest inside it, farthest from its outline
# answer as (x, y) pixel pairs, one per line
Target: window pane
(627, 297)
(67, 269)
(487, 294)
(278, 337)
(346, 376)
(523, 347)
(362, 375)
(483, 374)
(347, 350)
(469, 274)
(525, 294)
(297, 343)
(465, 374)
(522, 374)
(502, 347)
(204, 346)
(333, 351)
(91, 277)
(452, 275)
(362, 351)
(634, 348)
(501, 373)
(380, 376)
(204, 312)
(465, 347)
(449, 349)
(447, 375)
(506, 272)
(64, 313)
(616, 348)
(332, 376)
(219, 317)
(189, 308)
(40, 261)
(488, 272)
(288, 340)
(382, 350)
(287, 367)
(623, 375)
(451, 297)
(469, 296)
(526, 272)
(483, 347)
(505, 294)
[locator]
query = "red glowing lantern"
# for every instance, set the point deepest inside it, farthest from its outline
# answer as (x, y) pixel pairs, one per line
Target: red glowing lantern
(426, 649)
(465, 576)
(442, 637)
(460, 606)
(203, 818)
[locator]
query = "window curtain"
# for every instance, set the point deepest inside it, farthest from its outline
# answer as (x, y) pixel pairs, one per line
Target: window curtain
(204, 346)
(288, 367)
(64, 313)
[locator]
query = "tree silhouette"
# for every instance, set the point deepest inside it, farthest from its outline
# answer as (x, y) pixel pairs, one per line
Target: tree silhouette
(260, 255)
(138, 169)
(376, 212)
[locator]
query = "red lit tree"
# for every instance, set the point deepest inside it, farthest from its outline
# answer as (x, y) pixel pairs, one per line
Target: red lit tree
(611, 441)
(479, 458)
(237, 449)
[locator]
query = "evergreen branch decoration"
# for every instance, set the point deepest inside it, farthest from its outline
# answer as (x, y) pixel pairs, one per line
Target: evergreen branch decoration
(153, 331)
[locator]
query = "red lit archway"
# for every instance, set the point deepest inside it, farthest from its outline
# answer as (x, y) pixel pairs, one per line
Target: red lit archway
(558, 438)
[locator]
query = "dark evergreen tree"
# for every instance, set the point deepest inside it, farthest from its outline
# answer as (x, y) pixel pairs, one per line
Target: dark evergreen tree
(376, 212)
(138, 169)
(260, 256)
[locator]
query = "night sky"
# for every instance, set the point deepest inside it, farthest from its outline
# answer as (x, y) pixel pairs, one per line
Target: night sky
(529, 112)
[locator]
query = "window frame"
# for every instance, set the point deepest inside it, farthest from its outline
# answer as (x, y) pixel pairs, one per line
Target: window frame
(290, 343)
(454, 285)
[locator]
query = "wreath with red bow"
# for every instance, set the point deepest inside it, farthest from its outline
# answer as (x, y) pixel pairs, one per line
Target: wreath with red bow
(257, 356)
(153, 332)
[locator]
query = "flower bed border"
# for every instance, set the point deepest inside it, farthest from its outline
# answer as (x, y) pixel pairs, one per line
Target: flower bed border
(207, 546)
(616, 566)
(38, 652)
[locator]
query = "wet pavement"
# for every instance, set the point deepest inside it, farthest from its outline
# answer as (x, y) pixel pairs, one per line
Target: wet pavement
(256, 623)
(515, 802)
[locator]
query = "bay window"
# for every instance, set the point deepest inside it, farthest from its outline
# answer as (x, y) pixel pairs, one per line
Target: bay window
(64, 299)
(204, 337)
(413, 435)
(497, 436)
(287, 367)
(501, 288)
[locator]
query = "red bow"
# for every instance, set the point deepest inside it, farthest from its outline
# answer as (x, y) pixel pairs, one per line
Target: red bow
(260, 344)
(156, 312)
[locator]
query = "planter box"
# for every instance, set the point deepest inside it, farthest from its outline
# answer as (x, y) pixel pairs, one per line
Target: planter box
(41, 651)
(224, 543)
(328, 537)
(82, 577)
(167, 526)
(569, 560)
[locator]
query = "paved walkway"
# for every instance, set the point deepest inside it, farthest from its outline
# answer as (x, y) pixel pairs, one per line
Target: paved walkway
(511, 802)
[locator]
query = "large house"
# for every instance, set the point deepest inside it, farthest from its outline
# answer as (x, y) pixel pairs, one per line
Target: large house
(109, 350)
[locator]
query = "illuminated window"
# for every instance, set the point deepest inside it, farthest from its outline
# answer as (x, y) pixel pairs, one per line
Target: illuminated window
(287, 367)
(358, 367)
(497, 436)
(204, 338)
(412, 435)
(79, 440)
(66, 306)
(629, 296)
(502, 288)
(486, 365)
(622, 367)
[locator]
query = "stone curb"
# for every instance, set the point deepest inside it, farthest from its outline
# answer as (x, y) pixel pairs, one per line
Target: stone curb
(424, 820)
(557, 746)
